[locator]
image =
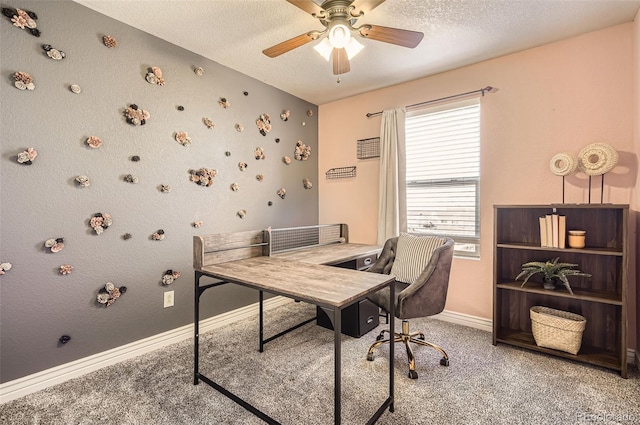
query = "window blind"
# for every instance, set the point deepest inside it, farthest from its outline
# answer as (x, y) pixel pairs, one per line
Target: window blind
(443, 173)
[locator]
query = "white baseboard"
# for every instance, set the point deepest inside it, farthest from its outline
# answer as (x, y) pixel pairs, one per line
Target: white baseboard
(59, 374)
(465, 320)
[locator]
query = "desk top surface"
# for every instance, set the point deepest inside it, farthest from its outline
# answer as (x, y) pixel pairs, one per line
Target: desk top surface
(329, 254)
(317, 284)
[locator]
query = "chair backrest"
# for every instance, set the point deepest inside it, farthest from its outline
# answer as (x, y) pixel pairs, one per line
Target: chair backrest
(428, 294)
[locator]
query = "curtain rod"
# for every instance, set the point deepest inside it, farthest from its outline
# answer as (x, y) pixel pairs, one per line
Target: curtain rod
(488, 89)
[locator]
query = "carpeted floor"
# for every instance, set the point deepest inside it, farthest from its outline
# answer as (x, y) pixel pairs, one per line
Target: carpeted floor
(293, 382)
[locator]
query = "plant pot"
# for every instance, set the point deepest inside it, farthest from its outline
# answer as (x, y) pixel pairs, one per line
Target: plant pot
(549, 284)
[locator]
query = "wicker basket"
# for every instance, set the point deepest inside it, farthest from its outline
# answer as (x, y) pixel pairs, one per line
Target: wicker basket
(557, 329)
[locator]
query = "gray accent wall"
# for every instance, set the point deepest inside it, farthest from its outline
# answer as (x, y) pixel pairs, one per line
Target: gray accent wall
(41, 201)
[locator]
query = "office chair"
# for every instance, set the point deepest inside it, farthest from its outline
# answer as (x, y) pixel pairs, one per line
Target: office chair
(420, 265)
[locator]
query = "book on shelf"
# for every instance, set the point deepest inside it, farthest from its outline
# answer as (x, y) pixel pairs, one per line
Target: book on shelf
(543, 231)
(553, 230)
(549, 227)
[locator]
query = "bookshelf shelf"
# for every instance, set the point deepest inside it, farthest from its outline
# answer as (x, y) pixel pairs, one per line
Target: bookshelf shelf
(588, 354)
(601, 299)
(535, 288)
(587, 250)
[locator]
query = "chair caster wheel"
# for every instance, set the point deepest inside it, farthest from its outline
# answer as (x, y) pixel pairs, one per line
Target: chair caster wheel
(421, 336)
(370, 357)
(444, 361)
(379, 337)
(413, 374)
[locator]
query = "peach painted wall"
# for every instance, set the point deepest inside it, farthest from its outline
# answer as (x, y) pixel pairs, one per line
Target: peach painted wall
(558, 97)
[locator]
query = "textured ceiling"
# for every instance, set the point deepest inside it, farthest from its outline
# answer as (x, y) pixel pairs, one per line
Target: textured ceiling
(457, 33)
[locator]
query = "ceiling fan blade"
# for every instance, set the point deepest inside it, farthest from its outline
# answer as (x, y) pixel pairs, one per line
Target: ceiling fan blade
(362, 7)
(340, 61)
(290, 44)
(307, 5)
(397, 36)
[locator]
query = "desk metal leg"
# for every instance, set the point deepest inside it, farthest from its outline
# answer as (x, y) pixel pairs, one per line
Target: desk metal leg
(262, 340)
(392, 317)
(337, 357)
(337, 335)
(261, 334)
(196, 329)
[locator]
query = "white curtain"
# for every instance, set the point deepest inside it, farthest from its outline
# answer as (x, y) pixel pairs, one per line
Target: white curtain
(392, 211)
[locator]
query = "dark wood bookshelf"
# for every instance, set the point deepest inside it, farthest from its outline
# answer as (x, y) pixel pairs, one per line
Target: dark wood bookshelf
(601, 299)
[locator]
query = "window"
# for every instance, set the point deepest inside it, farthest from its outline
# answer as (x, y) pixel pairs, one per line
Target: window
(443, 174)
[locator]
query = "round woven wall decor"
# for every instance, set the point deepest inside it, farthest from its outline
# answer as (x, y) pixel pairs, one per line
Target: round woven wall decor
(597, 159)
(563, 163)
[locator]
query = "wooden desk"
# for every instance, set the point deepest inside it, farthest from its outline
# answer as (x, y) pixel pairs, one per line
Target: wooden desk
(333, 288)
(361, 317)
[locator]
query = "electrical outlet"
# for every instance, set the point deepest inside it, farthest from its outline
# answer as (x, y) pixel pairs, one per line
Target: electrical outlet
(168, 299)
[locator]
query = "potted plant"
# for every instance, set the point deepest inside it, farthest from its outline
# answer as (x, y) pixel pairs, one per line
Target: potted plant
(551, 271)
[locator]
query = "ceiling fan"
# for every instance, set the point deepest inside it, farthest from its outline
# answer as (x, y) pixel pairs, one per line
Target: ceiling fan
(338, 17)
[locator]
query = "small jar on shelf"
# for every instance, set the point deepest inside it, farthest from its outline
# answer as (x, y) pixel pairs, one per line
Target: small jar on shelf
(577, 238)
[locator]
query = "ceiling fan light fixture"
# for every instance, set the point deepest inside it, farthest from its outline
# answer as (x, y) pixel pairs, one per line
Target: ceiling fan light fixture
(324, 48)
(339, 35)
(353, 48)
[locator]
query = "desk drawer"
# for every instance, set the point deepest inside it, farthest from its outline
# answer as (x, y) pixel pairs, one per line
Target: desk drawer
(366, 261)
(357, 319)
(360, 263)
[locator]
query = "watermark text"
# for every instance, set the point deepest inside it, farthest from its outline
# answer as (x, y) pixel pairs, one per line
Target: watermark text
(588, 417)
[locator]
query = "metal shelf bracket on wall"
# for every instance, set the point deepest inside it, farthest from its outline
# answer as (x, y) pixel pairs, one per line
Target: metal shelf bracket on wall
(341, 172)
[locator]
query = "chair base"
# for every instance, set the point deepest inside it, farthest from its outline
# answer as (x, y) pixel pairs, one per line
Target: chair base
(406, 338)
